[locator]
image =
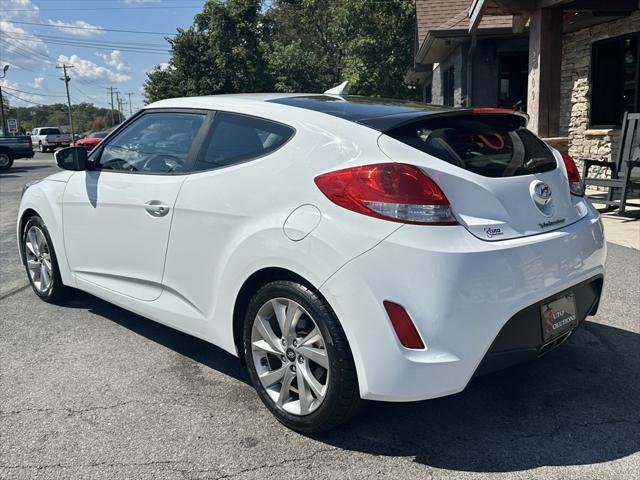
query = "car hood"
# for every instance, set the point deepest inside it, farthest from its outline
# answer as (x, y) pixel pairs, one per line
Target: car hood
(62, 176)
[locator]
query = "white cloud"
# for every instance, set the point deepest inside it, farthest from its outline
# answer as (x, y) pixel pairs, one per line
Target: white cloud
(87, 69)
(115, 60)
(21, 48)
(38, 82)
(10, 88)
(79, 28)
(18, 9)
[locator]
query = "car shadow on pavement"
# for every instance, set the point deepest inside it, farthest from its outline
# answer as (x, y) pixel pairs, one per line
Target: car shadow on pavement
(182, 343)
(578, 405)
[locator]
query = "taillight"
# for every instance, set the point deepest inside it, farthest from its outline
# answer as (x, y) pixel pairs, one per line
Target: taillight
(403, 326)
(575, 184)
(391, 191)
(30, 142)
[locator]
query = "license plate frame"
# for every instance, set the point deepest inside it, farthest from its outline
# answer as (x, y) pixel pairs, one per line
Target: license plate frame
(558, 316)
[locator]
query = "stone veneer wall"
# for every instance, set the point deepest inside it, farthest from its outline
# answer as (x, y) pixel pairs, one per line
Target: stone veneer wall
(584, 141)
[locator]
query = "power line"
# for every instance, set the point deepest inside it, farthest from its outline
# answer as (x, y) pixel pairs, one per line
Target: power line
(89, 44)
(168, 7)
(22, 99)
(31, 93)
(75, 27)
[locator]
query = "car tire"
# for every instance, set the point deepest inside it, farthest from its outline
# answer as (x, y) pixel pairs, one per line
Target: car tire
(6, 160)
(38, 253)
(339, 398)
(42, 148)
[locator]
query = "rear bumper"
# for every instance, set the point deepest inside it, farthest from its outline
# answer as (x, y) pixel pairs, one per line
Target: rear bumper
(521, 338)
(460, 292)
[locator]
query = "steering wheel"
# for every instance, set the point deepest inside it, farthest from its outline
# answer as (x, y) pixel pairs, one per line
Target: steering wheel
(162, 163)
(118, 164)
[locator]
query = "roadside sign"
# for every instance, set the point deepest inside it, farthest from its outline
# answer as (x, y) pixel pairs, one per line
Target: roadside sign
(12, 125)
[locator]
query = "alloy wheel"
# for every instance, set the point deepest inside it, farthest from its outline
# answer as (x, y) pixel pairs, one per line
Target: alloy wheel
(38, 258)
(290, 356)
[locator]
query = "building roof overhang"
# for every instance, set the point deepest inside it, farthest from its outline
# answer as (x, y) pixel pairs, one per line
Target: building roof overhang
(522, 9)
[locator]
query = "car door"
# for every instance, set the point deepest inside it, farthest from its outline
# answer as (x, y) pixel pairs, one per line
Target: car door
(117, 216)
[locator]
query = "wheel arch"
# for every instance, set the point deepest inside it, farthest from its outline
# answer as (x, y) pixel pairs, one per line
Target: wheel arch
(250, 286)
(6, 150)
(24, 218)
(42, 199)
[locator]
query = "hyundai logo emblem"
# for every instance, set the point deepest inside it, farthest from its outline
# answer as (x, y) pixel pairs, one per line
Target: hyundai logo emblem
(542, 193)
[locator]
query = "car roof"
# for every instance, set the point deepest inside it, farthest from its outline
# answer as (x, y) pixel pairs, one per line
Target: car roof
(378, 113)
(382, 114)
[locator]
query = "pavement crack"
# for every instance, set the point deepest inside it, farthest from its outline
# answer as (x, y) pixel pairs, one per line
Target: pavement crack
(277, 464)
(71, 411)
(93, 464)
(13, 291)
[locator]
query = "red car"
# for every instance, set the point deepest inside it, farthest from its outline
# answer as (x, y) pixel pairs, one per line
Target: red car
(92, 140)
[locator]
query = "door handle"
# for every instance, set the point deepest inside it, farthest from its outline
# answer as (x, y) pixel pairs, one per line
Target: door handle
(156, 208)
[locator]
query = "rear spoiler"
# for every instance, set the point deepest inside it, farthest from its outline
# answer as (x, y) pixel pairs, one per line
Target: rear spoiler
(390, 122)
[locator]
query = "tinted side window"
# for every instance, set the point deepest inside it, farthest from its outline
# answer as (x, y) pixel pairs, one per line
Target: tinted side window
(154, 143)
(236, 138)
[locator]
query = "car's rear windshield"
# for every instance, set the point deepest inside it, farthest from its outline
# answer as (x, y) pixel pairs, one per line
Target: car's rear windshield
(489, 145)
(50, 131)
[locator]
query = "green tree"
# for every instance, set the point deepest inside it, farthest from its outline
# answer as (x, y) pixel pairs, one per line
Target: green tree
(290, 45)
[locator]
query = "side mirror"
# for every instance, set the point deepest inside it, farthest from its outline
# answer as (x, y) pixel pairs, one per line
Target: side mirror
(72, 158)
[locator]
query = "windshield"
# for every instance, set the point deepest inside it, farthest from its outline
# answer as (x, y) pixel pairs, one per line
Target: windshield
(489, 145)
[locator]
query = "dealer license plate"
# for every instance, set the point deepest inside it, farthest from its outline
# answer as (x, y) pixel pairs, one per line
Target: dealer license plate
(559, 316)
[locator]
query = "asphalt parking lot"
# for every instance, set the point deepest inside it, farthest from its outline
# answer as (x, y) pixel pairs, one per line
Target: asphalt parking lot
(88, 390)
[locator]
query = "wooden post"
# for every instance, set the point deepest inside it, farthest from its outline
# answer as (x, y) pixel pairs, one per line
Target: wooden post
(545, 62)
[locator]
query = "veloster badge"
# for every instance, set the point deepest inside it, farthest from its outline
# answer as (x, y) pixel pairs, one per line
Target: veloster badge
(551, 223)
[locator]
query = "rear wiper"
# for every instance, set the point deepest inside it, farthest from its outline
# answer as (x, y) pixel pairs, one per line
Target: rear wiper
(537, 162)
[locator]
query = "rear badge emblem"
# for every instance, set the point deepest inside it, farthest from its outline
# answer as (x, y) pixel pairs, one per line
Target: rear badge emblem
(541, 193)
(541, 196)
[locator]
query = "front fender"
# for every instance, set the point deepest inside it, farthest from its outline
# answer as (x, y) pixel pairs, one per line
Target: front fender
(45, 199)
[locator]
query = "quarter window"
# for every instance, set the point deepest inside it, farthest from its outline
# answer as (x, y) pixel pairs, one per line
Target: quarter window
(237, 138)
(154, 143)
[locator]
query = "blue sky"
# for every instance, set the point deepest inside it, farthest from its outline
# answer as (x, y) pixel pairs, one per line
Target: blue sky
(37, 35)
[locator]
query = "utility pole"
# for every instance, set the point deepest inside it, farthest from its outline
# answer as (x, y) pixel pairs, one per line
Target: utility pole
(130, 109)
(119, 106)
(4, 117)
(121, 103)
(113, 121)
(66, 79)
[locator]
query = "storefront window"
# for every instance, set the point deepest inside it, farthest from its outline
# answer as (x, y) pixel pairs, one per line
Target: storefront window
(615, 84)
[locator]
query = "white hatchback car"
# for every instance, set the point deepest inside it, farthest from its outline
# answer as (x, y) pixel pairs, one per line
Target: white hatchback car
(346, 248)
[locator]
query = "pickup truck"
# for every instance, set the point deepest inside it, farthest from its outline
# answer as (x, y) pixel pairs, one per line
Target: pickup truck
(48, 138)
(12, 148)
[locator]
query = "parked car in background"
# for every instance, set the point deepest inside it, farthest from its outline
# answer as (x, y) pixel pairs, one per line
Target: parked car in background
(93, 139)
(47, 139)
(12, 148)
(347, 248)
